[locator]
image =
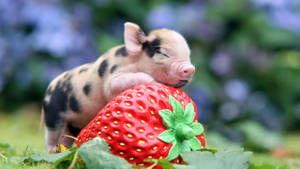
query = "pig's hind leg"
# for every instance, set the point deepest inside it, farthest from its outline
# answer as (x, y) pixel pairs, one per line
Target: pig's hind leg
(52, 137)
(55, 125)
(55, 107)
(65, 135)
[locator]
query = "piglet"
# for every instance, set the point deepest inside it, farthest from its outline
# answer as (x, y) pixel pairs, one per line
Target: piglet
(74, 98)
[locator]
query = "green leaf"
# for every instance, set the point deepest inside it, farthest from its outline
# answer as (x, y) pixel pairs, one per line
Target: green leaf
(97, 143)
(174, 151)
(4, 146)
(195, 144)
(96, 155)
(56, 158)
(7, 150)
(189, 114)
(177, 109)
(253, 130)
(167, 117)
(186, 146)
(217, 140)
(231, 159)
(167, 136)
(197, 128)
(266, 166)
(165, 164)
(210, 150)
(177, 166)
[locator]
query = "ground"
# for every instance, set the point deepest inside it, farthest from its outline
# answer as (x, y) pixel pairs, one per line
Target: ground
(22, 132)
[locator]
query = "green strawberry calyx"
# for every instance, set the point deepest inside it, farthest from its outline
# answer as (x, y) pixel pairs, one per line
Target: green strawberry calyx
(181, 130)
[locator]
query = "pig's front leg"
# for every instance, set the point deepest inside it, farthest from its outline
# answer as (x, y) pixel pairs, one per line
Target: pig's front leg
(121, 82)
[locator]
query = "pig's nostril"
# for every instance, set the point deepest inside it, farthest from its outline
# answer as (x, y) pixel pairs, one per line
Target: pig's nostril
(188, 71)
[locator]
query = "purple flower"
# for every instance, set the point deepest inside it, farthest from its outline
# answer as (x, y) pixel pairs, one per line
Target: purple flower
(10, 13)
(205, 31)
(187, 19)
(162, 16)
(18, 47)
(82, 15)
(190, 22)
(276, 3)
(58, 42)
(2, 50)
(51, 70)
(282, 13)
(236, 90)
(269, 3)
(287, 19)
(2, 55)
(58, 31)
(74, 61)
(222, 63)
(45, 15)
(259, 58)
(53, 30)
(188, 16)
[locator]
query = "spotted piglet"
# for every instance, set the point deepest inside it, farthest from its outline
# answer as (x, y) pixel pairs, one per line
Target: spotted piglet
(74, 98)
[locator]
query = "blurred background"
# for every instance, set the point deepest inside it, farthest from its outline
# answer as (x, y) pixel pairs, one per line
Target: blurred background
(246, 52)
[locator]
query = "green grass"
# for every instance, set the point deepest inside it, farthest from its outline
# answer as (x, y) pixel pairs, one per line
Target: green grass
(22, 133)
(292, 144)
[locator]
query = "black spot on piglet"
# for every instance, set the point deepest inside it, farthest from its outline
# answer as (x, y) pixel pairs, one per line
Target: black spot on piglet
(151, 47)
(114, 68)
(57, 104)
(102, 68)
(74, 104)
(121, 51)
(83, 70)
(86, 89)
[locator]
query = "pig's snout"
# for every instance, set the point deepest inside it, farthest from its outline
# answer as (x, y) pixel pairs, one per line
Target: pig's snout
(186, 71)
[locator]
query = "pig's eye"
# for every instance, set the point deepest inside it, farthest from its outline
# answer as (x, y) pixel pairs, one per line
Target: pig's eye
(159, 52)
(159, 56)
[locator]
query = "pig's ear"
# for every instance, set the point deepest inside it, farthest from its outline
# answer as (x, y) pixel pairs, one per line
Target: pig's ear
(133, 37)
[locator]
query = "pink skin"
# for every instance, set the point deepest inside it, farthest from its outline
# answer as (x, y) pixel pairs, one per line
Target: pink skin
(171, 66)
(186, 71)
(183, 70)
(127, 81)
(173, 72)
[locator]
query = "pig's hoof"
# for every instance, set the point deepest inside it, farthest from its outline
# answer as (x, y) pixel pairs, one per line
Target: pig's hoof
(58, 149)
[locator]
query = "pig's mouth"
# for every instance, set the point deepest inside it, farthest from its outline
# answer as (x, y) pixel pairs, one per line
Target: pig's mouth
(180, 84)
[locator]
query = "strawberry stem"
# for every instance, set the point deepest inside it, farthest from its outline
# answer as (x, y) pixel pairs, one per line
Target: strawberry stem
(68, 136)
(184, 132)
(73, 161)
(181, 130)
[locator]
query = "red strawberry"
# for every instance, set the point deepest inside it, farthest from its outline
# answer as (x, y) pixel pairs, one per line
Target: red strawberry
(149, 121)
